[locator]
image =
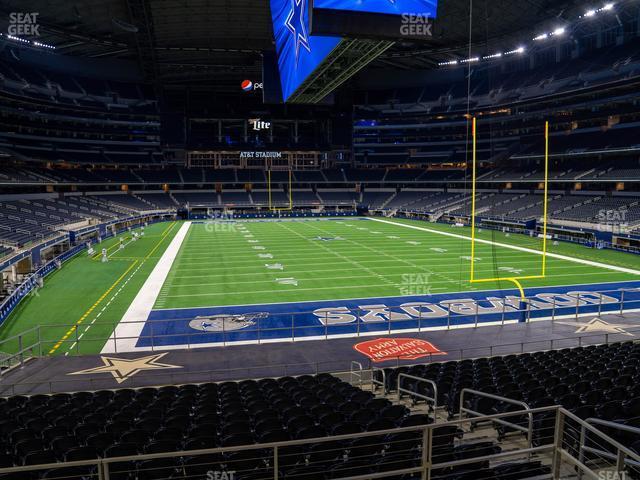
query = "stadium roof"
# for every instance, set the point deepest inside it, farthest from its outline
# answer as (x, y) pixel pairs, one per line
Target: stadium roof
(215, 41)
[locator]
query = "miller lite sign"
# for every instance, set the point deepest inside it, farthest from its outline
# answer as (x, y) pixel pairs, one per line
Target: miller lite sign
(258, 124)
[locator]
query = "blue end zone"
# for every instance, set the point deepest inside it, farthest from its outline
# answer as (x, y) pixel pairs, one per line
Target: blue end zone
(253, 323)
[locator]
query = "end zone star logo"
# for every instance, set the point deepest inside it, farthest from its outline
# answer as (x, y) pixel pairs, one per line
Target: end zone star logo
(296, 25)
(125, 368)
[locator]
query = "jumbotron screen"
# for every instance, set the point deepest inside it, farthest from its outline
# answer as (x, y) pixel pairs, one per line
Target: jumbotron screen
(426, 8)
(299, 52)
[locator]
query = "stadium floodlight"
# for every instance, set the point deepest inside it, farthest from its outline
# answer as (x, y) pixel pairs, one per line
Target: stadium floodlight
(495, 55)
(559, 31)
(590, 13)
(542, 36)
(517, 50)
(607, 7)
(27, 42)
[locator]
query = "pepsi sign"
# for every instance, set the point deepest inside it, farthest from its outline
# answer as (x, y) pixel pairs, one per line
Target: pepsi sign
(249, 86)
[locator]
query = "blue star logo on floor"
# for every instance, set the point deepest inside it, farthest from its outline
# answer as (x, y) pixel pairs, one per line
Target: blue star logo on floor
(296, 25)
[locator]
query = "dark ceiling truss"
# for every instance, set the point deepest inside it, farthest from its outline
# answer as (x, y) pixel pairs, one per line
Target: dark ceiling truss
(216, 41)
(140, 15)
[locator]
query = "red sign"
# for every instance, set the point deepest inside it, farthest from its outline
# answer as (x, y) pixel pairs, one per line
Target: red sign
(383, 349)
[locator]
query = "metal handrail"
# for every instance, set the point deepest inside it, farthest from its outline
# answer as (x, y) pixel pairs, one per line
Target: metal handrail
(528, 430)
(375, 382)
(401, 390)
(621, 460)
(298, 332)
(585, 426)
(355, 373)
(491, 348)
(425, 429)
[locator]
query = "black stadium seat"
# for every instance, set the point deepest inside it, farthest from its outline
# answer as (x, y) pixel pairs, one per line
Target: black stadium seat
(190, 417)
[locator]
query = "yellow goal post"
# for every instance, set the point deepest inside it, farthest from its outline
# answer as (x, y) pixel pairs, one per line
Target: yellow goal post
(513, 279)
(272, 207)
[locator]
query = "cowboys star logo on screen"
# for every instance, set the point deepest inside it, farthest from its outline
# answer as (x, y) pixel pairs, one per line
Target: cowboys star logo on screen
(296, 25)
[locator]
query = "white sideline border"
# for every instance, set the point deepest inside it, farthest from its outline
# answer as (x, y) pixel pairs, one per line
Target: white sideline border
(515, 247)
(129, 329)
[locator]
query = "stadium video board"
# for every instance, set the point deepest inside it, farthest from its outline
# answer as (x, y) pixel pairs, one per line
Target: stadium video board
(299, 53)
(377, 19)
(426, 8)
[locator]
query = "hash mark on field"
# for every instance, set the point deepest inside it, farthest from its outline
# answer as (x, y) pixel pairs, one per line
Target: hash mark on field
(398, 259)
(332, 252)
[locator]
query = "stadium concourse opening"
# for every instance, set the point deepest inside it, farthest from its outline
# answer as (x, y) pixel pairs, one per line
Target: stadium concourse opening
(344, 240)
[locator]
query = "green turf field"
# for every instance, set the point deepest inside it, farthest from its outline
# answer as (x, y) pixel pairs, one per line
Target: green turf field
(357, 259)
(88, 293)
(227, 264)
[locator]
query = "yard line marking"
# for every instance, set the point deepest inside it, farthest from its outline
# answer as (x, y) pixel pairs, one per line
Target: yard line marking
(88, 312)
(397, 259)
(334, 278)
(515, 247)
(91, 309)
(341, 287)
(130, 326)
(333, 252)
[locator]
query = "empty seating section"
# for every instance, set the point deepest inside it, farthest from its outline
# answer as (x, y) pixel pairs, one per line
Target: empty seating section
(236, 198)
(220, 176)
(484, 202)
(46, 429)
(603, 209)
(23, 221)
(192, 175)
(361, 175)
(262, 197)
(375, 200)
(167, 175)
(124, 201)
(387, 178)
(4, 251)
(436, 202)
(311, 176)
(305, 197)
(66, 427)
(338, 198)
(251, 176)
(81, 120)
(335, 175)
(157, 200)
(519, 203)
(591, 382)
(194, 198)
(117, 176)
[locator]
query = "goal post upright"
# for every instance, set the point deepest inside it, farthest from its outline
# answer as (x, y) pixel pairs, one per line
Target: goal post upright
(273, 208)
(513, 279)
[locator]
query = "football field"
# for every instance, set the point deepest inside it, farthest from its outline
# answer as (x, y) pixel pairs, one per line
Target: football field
(290, 261)
(206, 283)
